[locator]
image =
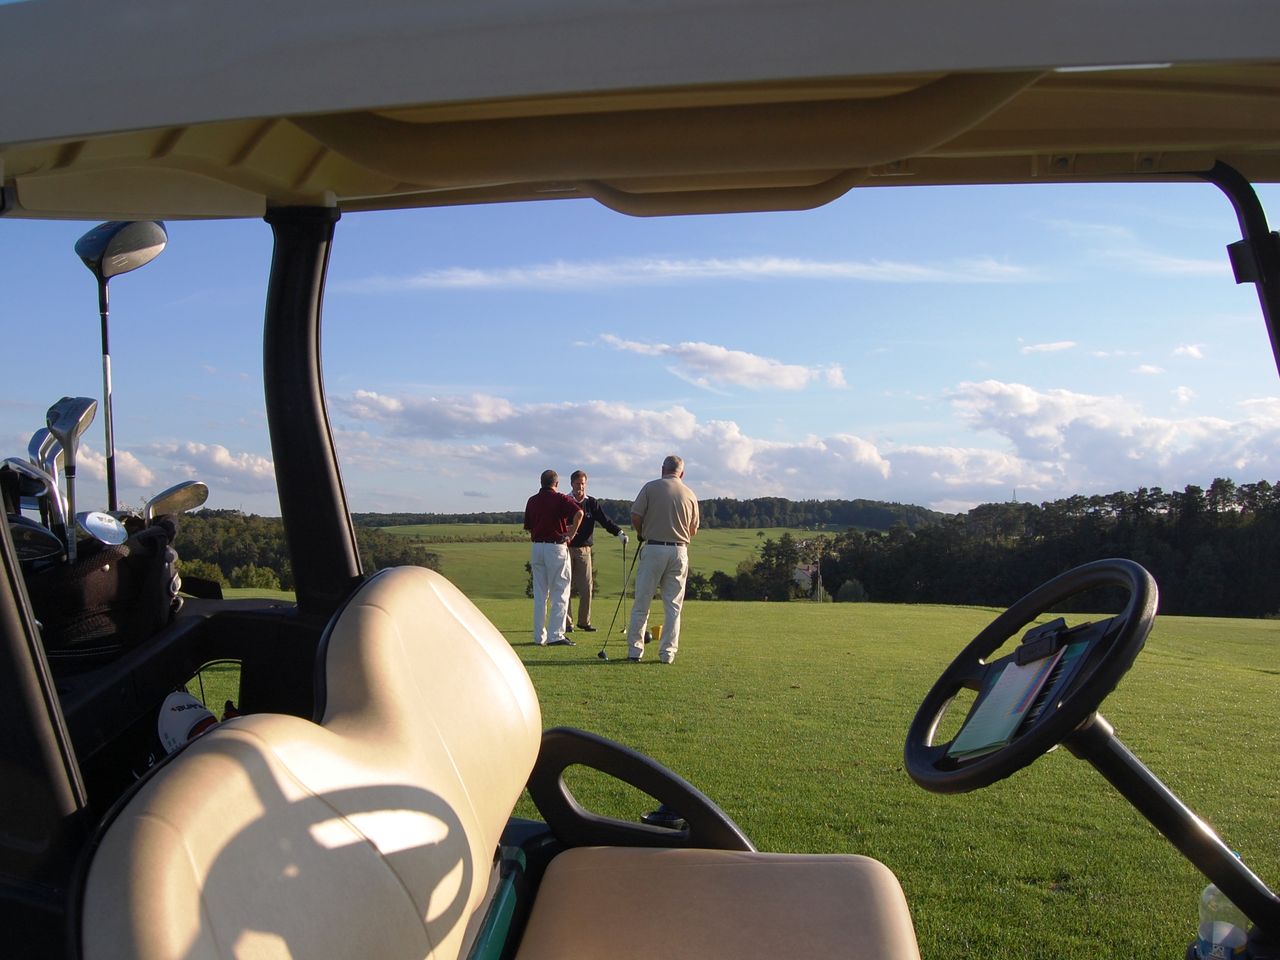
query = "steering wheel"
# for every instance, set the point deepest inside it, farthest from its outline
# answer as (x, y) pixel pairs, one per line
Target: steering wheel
(1110, 653)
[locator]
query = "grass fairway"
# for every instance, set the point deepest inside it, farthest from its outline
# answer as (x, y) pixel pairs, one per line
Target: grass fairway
(484, 566)
(792, 717)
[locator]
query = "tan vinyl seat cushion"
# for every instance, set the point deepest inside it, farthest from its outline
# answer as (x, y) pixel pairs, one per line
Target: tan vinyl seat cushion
(626, 903)
(370, 834)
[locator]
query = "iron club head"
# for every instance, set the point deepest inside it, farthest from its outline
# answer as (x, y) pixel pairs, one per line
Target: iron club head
(67, 420)
(49, 489)
(179, 498)
(40, 441)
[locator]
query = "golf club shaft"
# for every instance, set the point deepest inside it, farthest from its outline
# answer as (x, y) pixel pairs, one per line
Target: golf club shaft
(71, 508)
(107, 418)
(626, 575)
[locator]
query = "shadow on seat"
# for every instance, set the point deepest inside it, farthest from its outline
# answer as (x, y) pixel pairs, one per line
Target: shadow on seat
(373, 831)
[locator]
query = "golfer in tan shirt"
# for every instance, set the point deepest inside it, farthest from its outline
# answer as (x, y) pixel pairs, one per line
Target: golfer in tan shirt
(665, 514)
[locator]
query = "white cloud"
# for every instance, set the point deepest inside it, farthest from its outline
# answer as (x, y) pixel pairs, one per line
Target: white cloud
(220, 468)
(636, 271)
(707, 364)
(1055, 347)
(1090, 443)
(1120, 249)
(1183, 395)
(1147, 369)
(1044, 444)
(90, 464)
(1193, 350)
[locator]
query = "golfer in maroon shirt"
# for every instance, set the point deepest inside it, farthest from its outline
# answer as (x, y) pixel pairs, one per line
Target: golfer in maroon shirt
(552, 519)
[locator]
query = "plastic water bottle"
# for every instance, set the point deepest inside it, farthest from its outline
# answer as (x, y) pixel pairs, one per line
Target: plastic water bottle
(1224, 929)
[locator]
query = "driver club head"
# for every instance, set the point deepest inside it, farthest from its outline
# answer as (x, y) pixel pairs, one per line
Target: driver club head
(67, 420)
(179, 498)
(119, 246)
(602, 655)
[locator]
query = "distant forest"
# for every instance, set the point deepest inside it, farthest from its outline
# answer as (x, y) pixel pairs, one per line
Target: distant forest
(719, 512)
(1213, 552)
(245, 550)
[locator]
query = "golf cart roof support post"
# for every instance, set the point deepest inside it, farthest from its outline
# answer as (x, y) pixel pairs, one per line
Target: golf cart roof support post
(1096, 742)
(1255, 258)
(313, 503)
(40, 785)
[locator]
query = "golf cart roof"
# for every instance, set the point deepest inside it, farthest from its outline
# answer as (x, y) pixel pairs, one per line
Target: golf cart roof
(224, 110)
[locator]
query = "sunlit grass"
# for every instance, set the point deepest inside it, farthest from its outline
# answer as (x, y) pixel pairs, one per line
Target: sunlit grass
(792, 717)
(486, 567)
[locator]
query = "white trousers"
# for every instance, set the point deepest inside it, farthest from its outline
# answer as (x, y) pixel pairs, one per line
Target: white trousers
(550, 565)
(660, 569)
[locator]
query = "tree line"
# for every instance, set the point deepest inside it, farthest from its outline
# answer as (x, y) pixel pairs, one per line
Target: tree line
(245, 550)
(1213, 552)
(717, 512)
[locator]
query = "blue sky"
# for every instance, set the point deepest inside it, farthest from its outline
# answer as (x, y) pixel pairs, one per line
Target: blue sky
(938, 346)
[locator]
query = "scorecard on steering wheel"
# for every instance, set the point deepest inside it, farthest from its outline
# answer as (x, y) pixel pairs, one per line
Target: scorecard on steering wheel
(1032, 699)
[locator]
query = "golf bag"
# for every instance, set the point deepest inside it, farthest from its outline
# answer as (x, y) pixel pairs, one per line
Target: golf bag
(110, 600)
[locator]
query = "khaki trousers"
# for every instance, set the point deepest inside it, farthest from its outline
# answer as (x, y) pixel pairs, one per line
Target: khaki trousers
(580, 561)
(661, 569)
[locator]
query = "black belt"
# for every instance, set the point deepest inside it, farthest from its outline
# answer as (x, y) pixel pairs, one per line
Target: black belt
(548, 541)
(664, 543)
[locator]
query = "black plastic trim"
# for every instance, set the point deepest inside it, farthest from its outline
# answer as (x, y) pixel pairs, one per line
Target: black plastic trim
(708, 827)
(1256, 258)
(1096, 742)
(313, 503)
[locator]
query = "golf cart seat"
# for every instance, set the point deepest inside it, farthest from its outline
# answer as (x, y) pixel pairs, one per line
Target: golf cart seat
(374, 831)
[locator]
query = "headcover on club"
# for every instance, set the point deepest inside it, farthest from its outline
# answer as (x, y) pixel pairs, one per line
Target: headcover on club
(182, 719)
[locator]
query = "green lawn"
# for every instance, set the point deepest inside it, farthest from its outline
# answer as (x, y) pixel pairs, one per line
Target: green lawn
(483, 566)
(793, 716)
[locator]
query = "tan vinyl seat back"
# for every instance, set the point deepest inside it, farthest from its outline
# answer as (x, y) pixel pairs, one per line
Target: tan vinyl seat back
(368, 834)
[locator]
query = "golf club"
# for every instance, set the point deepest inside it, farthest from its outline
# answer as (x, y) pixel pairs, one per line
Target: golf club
(103, 527)
(626, 576)
(108, 250)
(45, 451)
(44, 481)
(68, 419)
(31, 541)
(38, 439)
(179, 498)
(52, 461)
